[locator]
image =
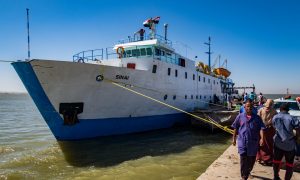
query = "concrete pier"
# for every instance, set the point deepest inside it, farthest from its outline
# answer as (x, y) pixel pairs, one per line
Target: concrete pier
(227, 166)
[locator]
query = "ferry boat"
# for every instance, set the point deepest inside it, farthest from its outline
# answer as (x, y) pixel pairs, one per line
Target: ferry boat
(78, 99)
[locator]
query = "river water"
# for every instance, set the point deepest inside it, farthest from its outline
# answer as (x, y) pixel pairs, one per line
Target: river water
(28, 150)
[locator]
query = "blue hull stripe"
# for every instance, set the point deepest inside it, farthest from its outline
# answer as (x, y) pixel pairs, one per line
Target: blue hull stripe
(88, 128)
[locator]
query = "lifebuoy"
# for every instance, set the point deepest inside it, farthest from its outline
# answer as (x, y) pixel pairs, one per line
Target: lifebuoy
(120, 53)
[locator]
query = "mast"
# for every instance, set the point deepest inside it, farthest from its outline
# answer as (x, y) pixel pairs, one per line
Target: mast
(209, 52)
(28, 39)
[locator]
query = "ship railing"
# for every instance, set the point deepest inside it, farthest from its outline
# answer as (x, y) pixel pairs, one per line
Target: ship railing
(95, 55)
(88, 55)
(137, 38)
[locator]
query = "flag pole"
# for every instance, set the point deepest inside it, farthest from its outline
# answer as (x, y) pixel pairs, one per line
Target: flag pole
(28, 38)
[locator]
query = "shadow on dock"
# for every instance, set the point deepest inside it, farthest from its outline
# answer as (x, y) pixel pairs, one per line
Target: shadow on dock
(110, 151)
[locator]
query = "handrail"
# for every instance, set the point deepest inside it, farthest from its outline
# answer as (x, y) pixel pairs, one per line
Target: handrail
(146, 37)
(89, 55)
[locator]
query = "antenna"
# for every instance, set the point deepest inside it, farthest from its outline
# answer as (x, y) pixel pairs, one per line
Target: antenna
(209, 52)
(28, 39)
(166, 30)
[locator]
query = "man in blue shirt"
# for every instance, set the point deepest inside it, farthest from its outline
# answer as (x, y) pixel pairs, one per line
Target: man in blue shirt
(249, 128)
(284, 141)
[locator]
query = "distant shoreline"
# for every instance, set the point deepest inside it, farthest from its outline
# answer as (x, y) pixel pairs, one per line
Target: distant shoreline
(13, 92)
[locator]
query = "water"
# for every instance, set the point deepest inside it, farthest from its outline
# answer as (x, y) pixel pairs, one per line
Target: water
(276, 96)
(28, 150)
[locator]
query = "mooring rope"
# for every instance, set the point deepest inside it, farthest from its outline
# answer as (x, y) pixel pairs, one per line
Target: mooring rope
(224, 128)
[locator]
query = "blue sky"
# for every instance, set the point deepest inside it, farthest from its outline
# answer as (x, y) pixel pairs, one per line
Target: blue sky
(260, 39)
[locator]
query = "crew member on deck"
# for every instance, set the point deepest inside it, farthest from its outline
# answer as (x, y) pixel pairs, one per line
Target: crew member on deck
(141, 32)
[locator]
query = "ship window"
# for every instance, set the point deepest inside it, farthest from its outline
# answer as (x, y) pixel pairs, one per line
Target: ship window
(128, 52)
(203, 79)
(154, 68)
(208, 81)
(196, 96)
(181, 62)
(185, 75)
(209, 97)
(193, 76)
(185, 97)
(199, 78)
(162, 53)
(204, 97)
(149, 51)
(176, 73)
(135, 52)
(174, 97)
(166, 97)
(214, 81)
(192, 96)
(143, 52)
(157, 52)
(200, 96)
(217, 83)
(169, 71)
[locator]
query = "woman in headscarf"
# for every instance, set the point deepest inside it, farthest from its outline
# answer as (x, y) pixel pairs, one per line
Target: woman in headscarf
(265, 153)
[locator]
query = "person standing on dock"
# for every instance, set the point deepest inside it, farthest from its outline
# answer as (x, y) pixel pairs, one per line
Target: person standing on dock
(284, 141)
(249, 128)
(265, 152)
(260, 99)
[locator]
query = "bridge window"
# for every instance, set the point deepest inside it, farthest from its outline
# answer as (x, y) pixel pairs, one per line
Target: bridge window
(157, 52)
(136, 52)
(203, 79)
(149, 51)
(199, 78)
(193, 76)
(185, 75)
(169, 71)
(176, 73)
(143, 52)
(128, 53)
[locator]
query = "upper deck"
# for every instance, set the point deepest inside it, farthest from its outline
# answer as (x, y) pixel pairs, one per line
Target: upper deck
(156, 47)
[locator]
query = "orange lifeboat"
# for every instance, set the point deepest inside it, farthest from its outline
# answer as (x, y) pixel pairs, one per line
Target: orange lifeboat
(222, 72)
(205, 68)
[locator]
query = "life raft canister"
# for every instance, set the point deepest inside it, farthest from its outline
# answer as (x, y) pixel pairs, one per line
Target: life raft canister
(120, 51)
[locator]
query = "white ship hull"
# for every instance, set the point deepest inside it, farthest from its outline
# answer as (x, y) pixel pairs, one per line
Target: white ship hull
(107, 108)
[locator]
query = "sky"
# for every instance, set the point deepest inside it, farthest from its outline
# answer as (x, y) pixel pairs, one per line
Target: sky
(259, 38)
